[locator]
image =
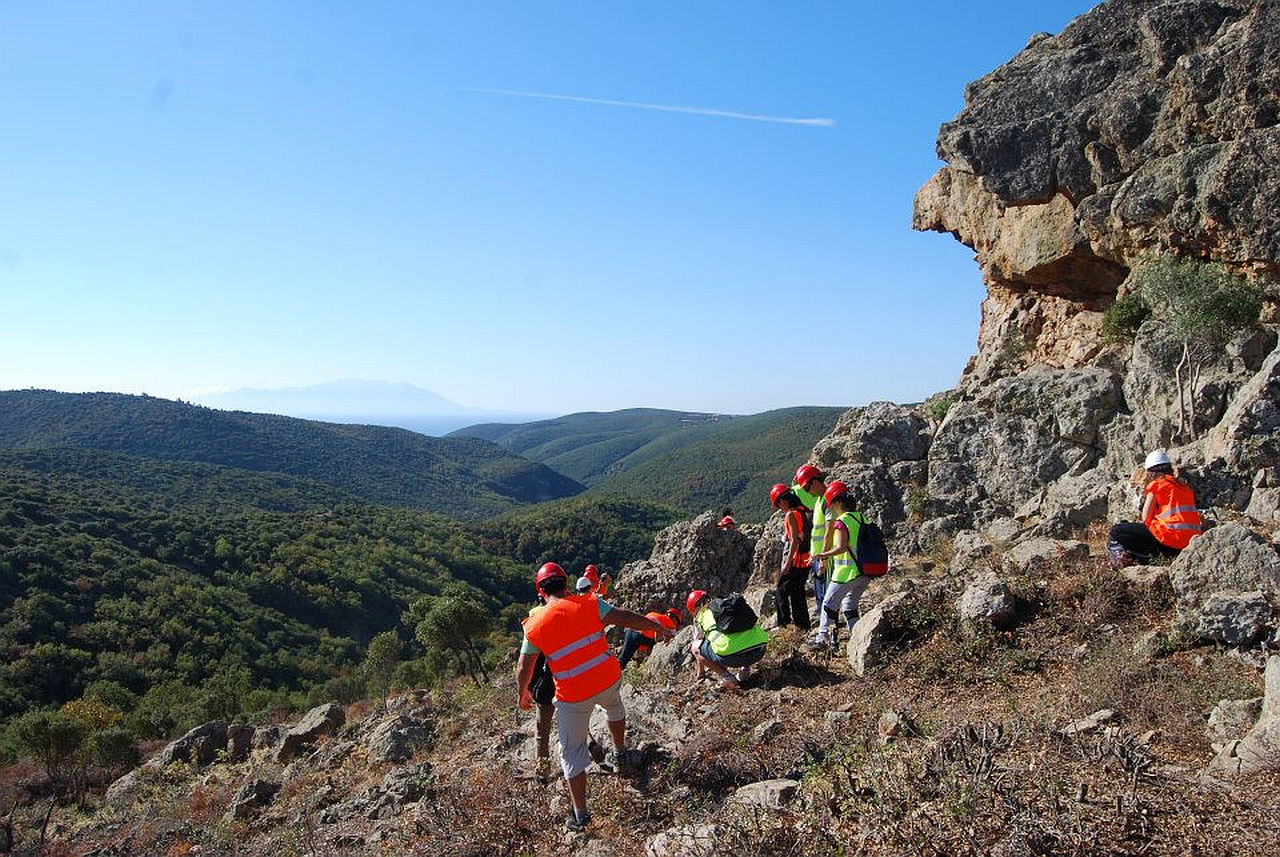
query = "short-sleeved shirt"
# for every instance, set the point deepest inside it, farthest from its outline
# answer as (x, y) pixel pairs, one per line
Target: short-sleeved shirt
(527, 648)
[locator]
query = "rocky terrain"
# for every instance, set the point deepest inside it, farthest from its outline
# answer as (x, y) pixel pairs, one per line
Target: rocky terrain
(1004, 692)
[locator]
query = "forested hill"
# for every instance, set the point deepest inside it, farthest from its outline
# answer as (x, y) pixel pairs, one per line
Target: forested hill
(694, 461)
(464, 477)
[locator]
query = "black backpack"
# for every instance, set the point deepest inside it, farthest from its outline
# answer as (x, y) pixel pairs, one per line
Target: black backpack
(542, 686)
(871, 553)
(733, 614)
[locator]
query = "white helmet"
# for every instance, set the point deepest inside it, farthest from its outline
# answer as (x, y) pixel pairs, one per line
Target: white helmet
(1156, 458)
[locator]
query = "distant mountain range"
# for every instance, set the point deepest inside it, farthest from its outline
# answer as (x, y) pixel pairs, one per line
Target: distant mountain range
(354, 401)
(462, 477)
(694, 461)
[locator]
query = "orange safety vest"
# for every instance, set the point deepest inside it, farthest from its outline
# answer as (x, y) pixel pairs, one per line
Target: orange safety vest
(662, 619)
(569, 632)
(1173, 519)
(794, 527)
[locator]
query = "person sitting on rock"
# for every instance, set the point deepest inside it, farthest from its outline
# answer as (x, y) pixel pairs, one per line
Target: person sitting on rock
(1169, 517)
(793, 573)
(636, 644)
(847, 582)
(722, 652)
(569, 630)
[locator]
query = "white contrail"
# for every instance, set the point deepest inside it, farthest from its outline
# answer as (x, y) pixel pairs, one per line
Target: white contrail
(669, 108)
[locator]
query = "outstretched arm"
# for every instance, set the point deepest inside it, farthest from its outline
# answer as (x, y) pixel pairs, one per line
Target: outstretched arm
(636, 622)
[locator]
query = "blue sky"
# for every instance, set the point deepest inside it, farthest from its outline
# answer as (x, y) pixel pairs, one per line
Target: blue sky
(268, 194)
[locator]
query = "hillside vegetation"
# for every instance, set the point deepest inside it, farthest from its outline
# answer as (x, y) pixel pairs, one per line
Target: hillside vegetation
(461, 476)
(687, 460)
(207, 592)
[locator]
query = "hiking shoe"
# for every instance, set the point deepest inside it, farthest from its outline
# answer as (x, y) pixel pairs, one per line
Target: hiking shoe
(577, 823)
(618, 759)
(819, 641)
(596, 751)
(744, 675)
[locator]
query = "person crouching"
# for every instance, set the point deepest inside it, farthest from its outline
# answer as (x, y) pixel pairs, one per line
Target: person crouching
(719, 652)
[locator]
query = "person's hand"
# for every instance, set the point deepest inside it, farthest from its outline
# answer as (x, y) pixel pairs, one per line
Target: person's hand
(526, 699)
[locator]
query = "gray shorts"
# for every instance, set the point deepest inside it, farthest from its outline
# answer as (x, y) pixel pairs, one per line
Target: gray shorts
(574, 720)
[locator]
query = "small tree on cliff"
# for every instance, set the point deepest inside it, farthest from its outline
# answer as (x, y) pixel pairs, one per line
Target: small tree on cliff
(1201, 305)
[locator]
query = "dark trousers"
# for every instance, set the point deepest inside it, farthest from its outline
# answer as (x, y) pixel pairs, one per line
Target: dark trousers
(633, 641)
(793, 608)
(1137, 541)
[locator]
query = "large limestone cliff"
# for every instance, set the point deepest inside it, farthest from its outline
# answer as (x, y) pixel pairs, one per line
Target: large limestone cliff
(1145, 127)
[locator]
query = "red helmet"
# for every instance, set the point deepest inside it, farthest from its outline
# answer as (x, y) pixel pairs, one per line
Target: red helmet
(835, 490)
(775, 492)
(727, 522)
(548, 571)
(593, 574)
(806, 473)
(673, 614)
(691, 603)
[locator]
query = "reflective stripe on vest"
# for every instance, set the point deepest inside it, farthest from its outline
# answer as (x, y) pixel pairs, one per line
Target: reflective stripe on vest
(580, 668)
(574, 646)
(1174, 517)
(569, 632)
(818, 535)
(844, 567)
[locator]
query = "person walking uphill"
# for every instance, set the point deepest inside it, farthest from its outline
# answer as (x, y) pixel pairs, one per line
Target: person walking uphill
(810, 485)
(847, 583)
(569, 630)
(1169, 517)
(721, 651)
(794, 570)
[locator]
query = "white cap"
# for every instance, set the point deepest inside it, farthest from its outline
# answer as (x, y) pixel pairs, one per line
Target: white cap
(582, 585)
(1156, 458)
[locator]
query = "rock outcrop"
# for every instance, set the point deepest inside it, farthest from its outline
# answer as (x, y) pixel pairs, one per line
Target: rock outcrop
(687, 555)
(1141, 128)
(1144, 129)
(1224, 581)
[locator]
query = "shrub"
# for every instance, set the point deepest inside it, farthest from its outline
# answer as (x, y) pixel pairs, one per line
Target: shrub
(1123, 318)
(939, 407)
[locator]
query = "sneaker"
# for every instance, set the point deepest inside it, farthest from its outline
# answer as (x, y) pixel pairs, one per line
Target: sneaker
(577, 823)
(819, 641)
(617, 759)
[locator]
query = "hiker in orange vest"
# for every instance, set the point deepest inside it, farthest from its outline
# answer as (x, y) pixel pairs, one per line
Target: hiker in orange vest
(570, 632)
(600, 583)
(639, 643)
(1169, 517)
(793, 573)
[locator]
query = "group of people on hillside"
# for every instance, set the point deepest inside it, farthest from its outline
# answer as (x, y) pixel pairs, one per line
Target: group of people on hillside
(820, 530)
(566, 667)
